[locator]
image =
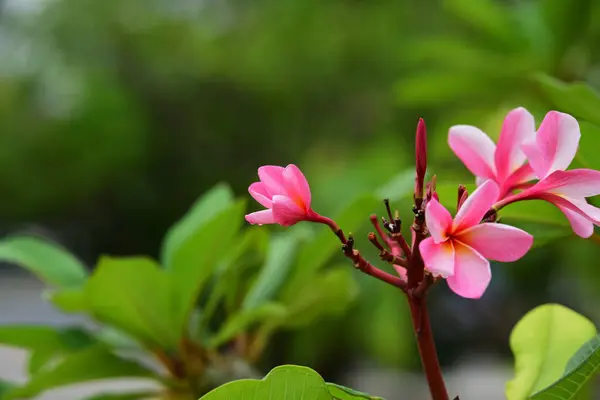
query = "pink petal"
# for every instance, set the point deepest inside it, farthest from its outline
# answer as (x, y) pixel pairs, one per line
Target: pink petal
(472, 273)
(518, 127)
(521, 175)
(581, 207)
(475, 207)
(258, 191)
(401, 271)
(286, 212)
(497, 242)
(272, 177)
(577, 183)
(555, 145)
(581, 225)
(474, 148)
(438, 220)
(297, 185)
(261, 217)
(438, 257)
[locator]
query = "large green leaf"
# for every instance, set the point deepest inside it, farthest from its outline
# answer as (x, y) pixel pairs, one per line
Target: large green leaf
(197, 258)
(50, 262)
(70, 300)
(565, 21)
(205, 208)
(242, 320)
(327, 293)
(580, 369)
(542, 342)
(586, 156)
(280, 258)
(90, 364)
(134, 295)
(577, 99)
(340, 392)
(287, 382)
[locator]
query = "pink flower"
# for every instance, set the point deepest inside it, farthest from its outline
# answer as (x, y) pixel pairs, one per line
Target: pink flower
(458, 249)
(549, 154)
(286, 195)
(504, 163)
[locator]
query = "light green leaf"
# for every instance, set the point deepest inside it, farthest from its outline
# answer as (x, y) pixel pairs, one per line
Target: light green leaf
(586, 156)
(542, 342)
(287, 382)
(134, 295)
(577, 99)
(401, 185)
(584, 364)
(487, 16)
(70, 300)
(280, 258)
(89, 364)
(327, 293)
(50, 262)
(241, 321)
(206, 207)
(340, 392)
(197, 258)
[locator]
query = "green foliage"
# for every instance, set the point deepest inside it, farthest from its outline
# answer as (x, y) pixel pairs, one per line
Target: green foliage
(287, 382)
(49, 262)
(543, 341)
(584, 365)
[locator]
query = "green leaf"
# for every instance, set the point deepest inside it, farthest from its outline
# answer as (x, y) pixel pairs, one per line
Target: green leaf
(565, 21)
(486, 16)
(50, 262)
(577, 99)
(327, 293)
(340, 392)
(542, 342)
(27, 336)
(584, 364)
(5, 387)
(586, 156)
(125, 396)
(70, 300)
(287, 382)
(134, 295)
(241, 321)
(89, 364)
(205, 208)
(197, 258)
(400, 186)
(280, 258)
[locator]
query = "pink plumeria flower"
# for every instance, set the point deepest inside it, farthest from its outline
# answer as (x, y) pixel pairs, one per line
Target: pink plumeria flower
(504, 163)
(286, 195)
(550, 153)
(400, 270)
(459, 249)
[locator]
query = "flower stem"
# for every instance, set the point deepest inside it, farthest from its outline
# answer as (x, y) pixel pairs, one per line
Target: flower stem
(426, 345)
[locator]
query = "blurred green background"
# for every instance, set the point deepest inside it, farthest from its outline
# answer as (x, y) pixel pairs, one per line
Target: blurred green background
(116, 115)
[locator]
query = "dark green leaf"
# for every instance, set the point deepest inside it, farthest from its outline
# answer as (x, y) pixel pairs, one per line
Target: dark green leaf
(486, 16)
(275, 271)
(134, 295)
(86, 365)
(543, 341)
(584, 364)
(50, 262)
(5, 387)
(241, 321)
(340, 392)
(587, 156)
(565, 21)
(287, 382)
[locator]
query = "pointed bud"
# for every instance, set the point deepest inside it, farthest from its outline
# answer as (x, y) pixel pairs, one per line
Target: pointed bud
(462, 196)
(421, 158)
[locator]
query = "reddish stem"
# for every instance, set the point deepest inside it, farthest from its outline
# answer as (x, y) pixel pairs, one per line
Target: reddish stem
(426, 345)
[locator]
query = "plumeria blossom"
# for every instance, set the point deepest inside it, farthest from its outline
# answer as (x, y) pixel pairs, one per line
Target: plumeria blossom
(503, 163)
(286, 195)
(459, 248)
(550, 153)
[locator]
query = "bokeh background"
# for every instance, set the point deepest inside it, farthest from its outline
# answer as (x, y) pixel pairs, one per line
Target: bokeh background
(116, 115)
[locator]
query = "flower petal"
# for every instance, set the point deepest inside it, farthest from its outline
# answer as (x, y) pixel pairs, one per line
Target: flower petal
(555, 144)
(286, 212)
(297, 185)
(474, 148)
(521, 175)
(472, 273)
(261, 217)
(438, 257)
(259, 192)
(518, 128)
(272, 177)
(438, 220)
(577, 183)
(582, 226)
(497, 242)
(475, 207)
(579, 206)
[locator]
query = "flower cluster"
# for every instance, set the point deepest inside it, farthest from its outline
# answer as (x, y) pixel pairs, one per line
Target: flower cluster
(525, 164)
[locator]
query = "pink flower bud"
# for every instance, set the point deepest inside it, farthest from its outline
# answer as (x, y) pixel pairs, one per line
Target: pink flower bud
(421, 158)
